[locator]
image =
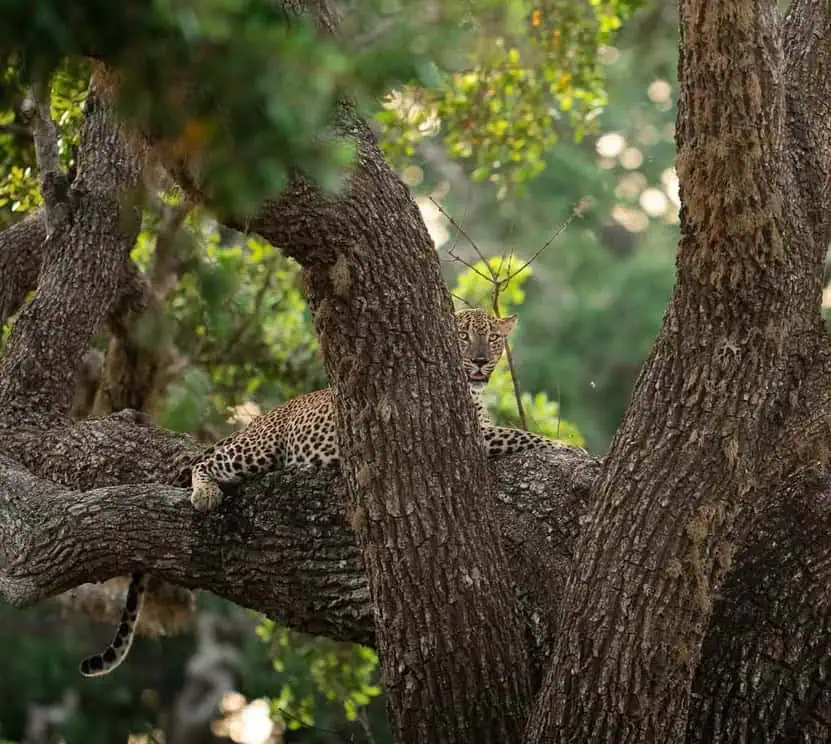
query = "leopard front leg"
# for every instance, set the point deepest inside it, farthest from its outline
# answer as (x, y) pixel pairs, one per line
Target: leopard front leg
(206, 493)
(230, 461)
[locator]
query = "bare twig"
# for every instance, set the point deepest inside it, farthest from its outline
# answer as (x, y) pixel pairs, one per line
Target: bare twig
(460, 231)
(498, 284)
(462, 300)
(515, 380)
(577, 211)
(363, 719)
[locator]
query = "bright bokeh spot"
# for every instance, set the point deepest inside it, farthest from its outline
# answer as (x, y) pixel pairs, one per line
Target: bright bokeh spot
(630, 186)
(412, 175)
(434, 220)
(608, 55)
(243, 723)
(659, 91)
(631, 158)
(610, 145)
(669, 178)
(654, 202)
(632, 219)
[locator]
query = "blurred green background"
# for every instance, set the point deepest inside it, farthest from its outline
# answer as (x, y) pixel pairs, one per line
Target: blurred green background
(544, 130)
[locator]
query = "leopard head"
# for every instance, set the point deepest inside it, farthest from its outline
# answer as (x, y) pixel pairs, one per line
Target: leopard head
(482, 341)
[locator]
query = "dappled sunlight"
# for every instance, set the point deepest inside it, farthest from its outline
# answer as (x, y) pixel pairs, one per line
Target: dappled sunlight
(247, 722)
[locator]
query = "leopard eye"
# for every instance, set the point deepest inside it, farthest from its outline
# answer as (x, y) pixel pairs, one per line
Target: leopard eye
(464, 335)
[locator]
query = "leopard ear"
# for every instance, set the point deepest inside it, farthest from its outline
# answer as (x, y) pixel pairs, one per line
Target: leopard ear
(506, 324)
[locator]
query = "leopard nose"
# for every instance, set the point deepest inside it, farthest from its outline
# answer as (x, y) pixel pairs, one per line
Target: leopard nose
(479, 361)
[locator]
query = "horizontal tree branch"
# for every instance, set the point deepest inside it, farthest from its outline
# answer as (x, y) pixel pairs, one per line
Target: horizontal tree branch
(281, 545)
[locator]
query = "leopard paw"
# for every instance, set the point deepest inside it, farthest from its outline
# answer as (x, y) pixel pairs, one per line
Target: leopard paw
(206, 495)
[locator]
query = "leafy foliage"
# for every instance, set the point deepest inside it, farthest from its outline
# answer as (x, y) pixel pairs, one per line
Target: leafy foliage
(180, 67)
(529, 66)
(316, 672)
(18, 186)
(239, 315)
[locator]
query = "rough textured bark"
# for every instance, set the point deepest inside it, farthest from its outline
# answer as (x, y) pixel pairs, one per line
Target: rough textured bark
(21, 252)
(766, 658)
(90, 234)
(282, 545)
(686, 600)
(693, 463)
(449, 635)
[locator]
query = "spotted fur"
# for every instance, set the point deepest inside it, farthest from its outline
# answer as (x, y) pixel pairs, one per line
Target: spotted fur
(104, 663)
(301, 434)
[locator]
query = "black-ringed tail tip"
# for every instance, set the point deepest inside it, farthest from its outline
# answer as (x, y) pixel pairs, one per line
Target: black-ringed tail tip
(116, 652)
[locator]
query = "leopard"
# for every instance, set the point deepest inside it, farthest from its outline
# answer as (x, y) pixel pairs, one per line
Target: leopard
(301, 434)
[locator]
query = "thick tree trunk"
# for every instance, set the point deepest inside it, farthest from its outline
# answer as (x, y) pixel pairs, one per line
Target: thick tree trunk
(691, 465)
(448, 632)
(766, 658)
(21, 249)
(698, 570)
(90, 232)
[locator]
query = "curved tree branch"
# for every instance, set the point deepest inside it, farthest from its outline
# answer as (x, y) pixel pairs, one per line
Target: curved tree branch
(83, 259)
(282, 544)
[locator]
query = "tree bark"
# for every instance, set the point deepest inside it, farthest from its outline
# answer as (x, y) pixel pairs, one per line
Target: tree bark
(21, 248)
(686, 600)
(419, 490)
(765, 660)
(694, 460)
(283, 546)
(90, 233)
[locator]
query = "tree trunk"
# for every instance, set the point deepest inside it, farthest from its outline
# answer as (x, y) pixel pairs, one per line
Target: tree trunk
(691, 466)
(449, 635)
(686, 599)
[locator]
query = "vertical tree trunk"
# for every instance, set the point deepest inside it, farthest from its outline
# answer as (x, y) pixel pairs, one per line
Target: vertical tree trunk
(450, 639)
(684, 477)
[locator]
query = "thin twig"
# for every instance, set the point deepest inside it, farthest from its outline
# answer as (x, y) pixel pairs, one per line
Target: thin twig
(461, 299)
(461, 231)
(497, 284)
(515, 380)
(363, 719)
(576, 212)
